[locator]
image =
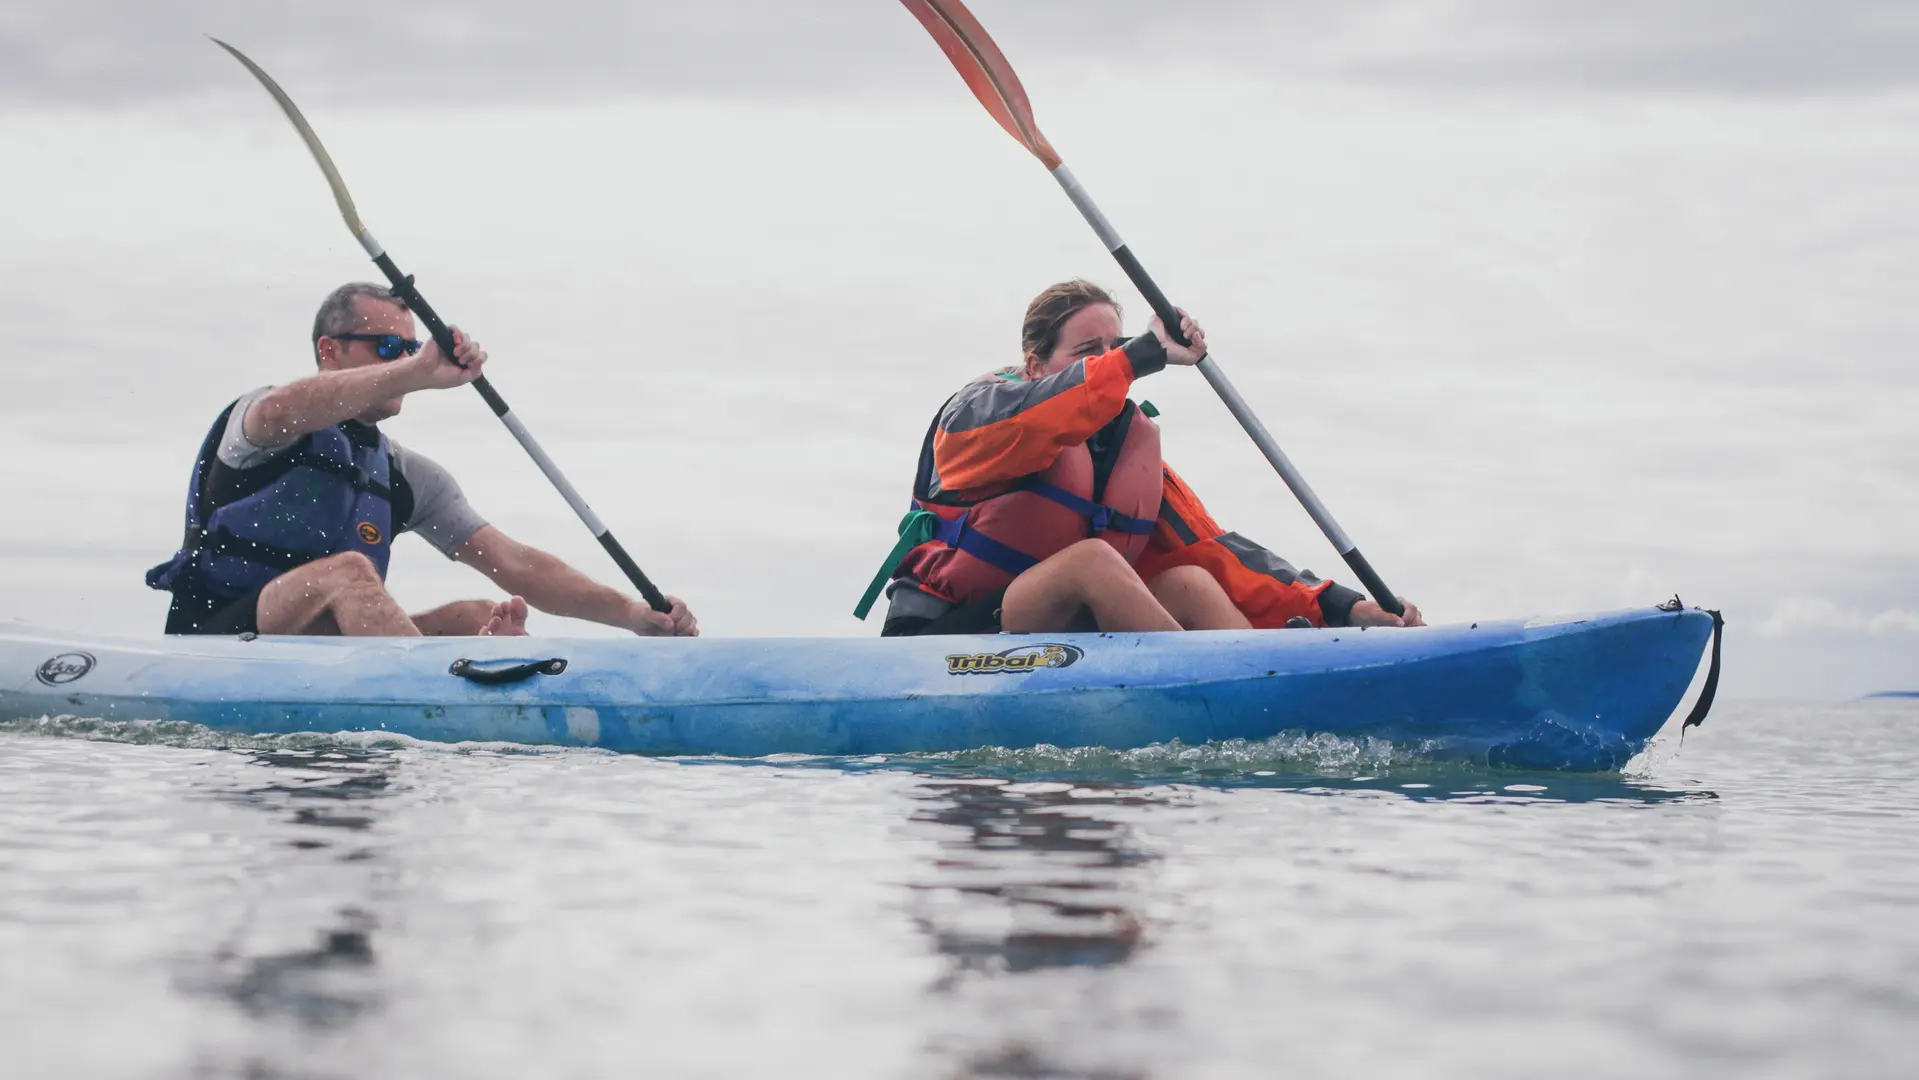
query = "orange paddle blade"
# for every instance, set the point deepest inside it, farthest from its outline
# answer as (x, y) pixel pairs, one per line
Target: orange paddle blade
(985, 69)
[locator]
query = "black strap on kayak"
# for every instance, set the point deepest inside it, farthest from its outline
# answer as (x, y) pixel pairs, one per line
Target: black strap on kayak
(1704, 705)
(472, 672)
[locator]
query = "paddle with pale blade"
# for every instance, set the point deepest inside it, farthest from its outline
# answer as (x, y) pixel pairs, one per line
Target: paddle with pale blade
(404, 288)
(993, 81)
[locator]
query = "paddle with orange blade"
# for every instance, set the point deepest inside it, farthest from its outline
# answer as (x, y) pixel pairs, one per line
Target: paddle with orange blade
(993, 81)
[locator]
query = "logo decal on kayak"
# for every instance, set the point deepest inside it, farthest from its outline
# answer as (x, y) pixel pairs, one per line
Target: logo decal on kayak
(1019, 659)
(65, 668)
(369, 532)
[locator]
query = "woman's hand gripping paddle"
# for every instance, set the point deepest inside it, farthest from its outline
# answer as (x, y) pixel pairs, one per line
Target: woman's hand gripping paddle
(404, 288)
(993, 81)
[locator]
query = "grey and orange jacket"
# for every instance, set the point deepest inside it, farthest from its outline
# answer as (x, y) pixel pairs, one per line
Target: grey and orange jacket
(1004, 456)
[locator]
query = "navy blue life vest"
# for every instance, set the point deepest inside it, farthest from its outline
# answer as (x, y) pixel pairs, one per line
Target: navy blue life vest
(326, 494)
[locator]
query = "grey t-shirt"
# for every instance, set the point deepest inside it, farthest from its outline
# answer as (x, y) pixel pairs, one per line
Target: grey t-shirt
(427, 500)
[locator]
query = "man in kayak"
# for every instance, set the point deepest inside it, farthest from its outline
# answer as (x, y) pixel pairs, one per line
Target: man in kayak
(296, 497)
(1041, 502)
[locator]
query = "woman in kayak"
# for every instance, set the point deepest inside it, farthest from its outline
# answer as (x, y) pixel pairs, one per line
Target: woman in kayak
(1042, 504)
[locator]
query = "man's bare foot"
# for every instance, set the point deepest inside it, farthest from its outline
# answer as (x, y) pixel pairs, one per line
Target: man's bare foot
(507, 620)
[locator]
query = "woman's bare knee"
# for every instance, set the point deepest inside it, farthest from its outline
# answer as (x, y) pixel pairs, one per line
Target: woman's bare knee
(1178, 578)
(1098, 566)
(1097, 552)
(1197, 600)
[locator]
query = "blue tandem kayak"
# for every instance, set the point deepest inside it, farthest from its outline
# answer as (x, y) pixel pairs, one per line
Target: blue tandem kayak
(1581, 692)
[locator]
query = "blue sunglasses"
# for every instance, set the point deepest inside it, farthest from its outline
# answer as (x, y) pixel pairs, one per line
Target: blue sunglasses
(389, 346)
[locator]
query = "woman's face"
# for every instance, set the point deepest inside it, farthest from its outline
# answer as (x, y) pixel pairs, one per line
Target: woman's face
(1088, 332)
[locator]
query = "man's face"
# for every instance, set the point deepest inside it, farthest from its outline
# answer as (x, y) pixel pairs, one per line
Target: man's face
(370, 317)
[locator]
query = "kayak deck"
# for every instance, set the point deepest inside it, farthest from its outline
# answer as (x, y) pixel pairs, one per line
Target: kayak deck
(1583, 692)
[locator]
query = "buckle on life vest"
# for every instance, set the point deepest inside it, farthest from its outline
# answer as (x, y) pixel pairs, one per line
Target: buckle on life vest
(952, 533)
(1099, 515)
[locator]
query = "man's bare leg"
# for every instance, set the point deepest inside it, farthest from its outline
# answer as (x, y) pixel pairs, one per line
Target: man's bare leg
(1197, 600)
(462, 618)
(1090, 574)
(474, 618)
(507, 619)
(338, 594)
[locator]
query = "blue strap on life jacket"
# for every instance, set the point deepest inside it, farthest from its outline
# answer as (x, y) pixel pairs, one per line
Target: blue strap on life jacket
(1101, 516)
(921, 526)
(957, 533)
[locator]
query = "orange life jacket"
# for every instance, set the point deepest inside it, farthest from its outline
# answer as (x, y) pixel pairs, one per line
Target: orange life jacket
(1109, 487)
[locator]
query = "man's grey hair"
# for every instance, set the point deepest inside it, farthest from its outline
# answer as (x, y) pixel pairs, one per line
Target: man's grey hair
(338, 313)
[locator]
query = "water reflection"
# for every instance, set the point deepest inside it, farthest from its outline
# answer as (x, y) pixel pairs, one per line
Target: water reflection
(325, 806)
(321, 788)
(1030, 878)
(1033, 875)
(318, 987)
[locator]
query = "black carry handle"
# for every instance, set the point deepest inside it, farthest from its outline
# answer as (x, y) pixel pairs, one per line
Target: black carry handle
(471, 672)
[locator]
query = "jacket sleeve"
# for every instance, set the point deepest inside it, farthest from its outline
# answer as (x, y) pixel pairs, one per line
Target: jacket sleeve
(1265, 588)
(997, 430)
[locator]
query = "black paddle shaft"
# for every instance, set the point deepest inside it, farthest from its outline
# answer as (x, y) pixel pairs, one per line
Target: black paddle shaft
(409, 295)
(1169, 317)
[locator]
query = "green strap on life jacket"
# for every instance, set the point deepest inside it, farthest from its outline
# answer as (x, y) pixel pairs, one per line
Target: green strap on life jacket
(916, 528)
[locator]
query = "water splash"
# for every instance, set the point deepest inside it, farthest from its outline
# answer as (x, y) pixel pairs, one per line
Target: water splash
(185, 735)
(1294, 753)
(1310, 763)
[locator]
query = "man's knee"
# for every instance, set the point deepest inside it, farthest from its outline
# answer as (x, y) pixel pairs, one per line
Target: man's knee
(349, 566)
(348, 571)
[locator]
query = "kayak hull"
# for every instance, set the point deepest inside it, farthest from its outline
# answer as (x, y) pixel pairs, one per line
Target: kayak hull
(1584, 693)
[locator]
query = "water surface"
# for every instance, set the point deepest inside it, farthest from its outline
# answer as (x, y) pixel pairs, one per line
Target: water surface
(175, 902)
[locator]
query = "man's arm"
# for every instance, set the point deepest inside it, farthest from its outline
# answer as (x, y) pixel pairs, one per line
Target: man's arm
(557, 589)
(284, 414)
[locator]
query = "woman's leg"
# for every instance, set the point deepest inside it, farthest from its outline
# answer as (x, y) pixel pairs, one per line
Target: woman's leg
(1197, 600)
(1089, 574)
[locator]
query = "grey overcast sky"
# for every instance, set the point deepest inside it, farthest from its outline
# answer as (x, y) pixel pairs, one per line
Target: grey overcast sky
(114, 52)
(1560, 305)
